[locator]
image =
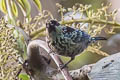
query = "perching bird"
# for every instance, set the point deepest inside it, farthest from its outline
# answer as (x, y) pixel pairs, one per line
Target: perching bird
(67, 41)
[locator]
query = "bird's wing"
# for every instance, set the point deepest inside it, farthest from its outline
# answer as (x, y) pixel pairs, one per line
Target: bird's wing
(75, 35)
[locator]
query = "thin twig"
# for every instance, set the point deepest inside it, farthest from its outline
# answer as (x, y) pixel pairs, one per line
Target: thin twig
(88, 20)
(63, 71)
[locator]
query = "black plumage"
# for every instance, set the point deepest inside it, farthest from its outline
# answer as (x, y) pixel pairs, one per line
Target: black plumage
(67, 41)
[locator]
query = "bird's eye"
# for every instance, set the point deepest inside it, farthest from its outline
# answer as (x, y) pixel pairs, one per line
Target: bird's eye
(54, 23)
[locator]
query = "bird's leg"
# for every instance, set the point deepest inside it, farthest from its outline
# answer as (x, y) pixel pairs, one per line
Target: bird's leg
(63, 66)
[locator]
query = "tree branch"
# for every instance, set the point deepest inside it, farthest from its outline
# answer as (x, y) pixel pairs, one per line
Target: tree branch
(88, 20)
(57, 60)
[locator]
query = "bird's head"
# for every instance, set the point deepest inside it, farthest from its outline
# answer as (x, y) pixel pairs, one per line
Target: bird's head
(51, 25)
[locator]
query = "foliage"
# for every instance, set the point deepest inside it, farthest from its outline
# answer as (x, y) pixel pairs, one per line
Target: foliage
(11, 41)
(10, 44)
(10, 9)
(9, 64)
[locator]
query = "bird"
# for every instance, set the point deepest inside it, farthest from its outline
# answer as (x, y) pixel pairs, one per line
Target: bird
(67, 41)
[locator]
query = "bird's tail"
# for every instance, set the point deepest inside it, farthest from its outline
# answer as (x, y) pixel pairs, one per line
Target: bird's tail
(98, 38)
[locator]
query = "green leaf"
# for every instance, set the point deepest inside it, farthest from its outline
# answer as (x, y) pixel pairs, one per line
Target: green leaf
(16, 34)
(38, 4)
(3, 6)
(24, 77)
(14, 9)
(21, 46)
(25, 7)
(10, 13)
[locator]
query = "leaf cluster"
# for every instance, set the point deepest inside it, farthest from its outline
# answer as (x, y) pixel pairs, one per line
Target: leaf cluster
(98, 21)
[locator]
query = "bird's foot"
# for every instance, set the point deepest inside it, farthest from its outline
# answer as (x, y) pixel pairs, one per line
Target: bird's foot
(62, 66)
